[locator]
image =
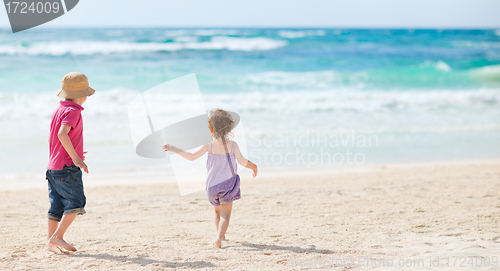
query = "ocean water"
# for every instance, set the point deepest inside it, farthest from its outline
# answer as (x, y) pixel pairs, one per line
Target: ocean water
(309, 98)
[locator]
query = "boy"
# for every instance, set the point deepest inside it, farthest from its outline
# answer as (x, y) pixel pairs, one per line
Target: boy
(64, 175)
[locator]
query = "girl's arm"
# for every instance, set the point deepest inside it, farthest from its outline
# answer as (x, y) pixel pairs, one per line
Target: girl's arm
(185, 154)
(243, 161)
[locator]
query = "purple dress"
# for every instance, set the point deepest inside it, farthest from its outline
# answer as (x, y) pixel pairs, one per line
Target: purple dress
(223, 183)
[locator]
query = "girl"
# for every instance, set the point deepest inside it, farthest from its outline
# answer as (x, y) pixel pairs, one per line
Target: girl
(223, 183)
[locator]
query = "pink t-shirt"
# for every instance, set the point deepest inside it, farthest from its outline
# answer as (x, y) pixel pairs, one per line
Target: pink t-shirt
(68, 113)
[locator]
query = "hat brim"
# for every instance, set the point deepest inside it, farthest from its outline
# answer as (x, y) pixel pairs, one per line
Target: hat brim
(75, 94)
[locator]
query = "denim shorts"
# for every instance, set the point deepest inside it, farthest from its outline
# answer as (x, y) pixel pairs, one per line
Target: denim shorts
(65, 192)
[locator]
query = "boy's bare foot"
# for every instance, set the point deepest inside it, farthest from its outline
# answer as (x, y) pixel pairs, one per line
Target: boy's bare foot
(217, 243)
(53, 249)
(61, 243)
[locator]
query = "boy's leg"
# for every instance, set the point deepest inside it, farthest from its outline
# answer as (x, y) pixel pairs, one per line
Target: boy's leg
(73, 199)
(54, 214)
(52, 226)
(57, 238)
(225, 215)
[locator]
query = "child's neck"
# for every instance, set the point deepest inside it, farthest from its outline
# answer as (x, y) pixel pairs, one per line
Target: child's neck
(78, 101)
(218, 140)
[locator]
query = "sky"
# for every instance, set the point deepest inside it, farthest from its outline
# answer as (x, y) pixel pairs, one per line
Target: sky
(280, 13)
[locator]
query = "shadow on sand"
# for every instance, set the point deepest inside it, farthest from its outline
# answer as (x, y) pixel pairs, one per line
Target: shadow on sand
(144, 261)
(310, 249)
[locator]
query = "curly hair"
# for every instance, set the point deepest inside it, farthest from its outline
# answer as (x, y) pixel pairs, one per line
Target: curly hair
(220, 122)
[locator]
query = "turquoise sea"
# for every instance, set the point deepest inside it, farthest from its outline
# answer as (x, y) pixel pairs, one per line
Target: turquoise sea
(307, 97)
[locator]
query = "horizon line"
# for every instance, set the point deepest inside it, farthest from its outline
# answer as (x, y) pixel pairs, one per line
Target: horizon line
(268, 27)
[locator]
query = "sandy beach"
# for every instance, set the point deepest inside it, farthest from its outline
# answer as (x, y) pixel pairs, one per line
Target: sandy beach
(347, 219)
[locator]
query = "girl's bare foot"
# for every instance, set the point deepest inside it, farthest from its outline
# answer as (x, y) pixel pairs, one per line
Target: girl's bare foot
(217, 243)
(53, 249)
(61, 243)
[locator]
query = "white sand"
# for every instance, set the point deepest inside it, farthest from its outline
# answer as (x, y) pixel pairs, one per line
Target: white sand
(396, 212)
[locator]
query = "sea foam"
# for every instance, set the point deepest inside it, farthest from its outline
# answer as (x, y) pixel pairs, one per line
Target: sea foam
(116, 47)
(300, 34)
(438, 105)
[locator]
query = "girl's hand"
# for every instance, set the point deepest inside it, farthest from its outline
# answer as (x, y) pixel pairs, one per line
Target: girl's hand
(254, 172)
(168, 147)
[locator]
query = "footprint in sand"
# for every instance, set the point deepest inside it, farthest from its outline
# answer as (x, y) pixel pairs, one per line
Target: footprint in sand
(19, 253)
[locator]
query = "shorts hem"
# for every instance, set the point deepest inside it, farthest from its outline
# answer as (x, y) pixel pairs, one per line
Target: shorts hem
(53, 218)
(226, 202)
(79, 211)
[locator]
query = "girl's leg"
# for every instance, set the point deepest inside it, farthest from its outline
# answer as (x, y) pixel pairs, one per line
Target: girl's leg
(217, 220)
(225, 215)
(217, 217)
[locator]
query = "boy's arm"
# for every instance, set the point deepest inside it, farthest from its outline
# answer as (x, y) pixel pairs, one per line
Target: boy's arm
(68, 146)
(243, 161)
(185, 154)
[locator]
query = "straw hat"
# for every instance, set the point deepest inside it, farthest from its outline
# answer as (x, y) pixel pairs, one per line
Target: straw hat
(75, 85)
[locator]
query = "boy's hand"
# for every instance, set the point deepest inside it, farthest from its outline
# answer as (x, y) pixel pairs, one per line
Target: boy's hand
(68, 146)
(79, 163)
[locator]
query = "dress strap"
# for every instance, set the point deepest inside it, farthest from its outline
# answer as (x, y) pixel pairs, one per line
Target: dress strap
(232, 148)
(230, 164)
(210, 151)
(228, 157)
